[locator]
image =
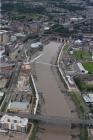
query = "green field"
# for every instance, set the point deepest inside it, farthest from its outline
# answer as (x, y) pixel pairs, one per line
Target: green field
(82, 85)
(81, 107)
(80, 55)
(88, 66)
(84, 134)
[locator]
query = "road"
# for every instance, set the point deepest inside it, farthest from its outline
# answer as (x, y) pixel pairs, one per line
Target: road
(54, 102)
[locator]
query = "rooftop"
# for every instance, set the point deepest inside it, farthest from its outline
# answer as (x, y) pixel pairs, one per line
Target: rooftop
(3, 31)
(23, 106)
(1, 94)
(36, 45)
(82, 68)
(14, 119)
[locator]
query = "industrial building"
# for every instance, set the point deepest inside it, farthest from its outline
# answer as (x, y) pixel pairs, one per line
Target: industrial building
(18, 106)
(20, 102)
(14, 123)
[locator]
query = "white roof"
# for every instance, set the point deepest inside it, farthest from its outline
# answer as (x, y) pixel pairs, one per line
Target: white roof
(20, 34)
(46, 28)
(70, 80)
(78, 41)
(19, 105)
(1, 53)
(20, 121)
(91, 97)
(1, 93)
(36, 45)
(87, 99)
(3, 31)
(76, 18)
(81, 67)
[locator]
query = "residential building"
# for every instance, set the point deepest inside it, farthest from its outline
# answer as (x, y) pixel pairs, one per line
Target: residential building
(13, 123)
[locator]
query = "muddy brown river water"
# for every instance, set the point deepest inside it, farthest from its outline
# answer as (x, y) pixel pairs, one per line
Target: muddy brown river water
(55, 103)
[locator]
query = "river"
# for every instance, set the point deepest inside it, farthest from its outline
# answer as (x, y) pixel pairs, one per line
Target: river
(54, 102)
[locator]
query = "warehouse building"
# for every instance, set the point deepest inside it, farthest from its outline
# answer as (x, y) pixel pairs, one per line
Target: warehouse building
(18, 106)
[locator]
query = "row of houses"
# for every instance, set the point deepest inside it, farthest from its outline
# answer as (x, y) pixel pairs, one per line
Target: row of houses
(14, 123)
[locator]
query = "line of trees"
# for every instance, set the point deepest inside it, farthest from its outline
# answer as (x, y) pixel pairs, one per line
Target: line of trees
(20, 7)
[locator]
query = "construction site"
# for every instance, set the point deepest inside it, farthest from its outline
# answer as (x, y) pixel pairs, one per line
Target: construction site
(22, 98)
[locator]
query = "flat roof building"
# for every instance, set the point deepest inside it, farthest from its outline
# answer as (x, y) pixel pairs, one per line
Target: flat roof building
(13, 123)
(18, 106)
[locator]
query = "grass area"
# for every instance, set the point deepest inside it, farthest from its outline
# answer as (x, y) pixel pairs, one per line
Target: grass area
(88, 66)
(35, 15)
(4, 106)
(1, 100)
(17, 17)
(60, 29)
(66, 48)
(83, 85)
(22, 17)
(21, 8)
(81, 107)
(84, 134)
(35, 129)
(81, 55)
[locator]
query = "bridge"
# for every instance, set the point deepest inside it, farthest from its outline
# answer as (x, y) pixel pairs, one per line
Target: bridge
(55, 120)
